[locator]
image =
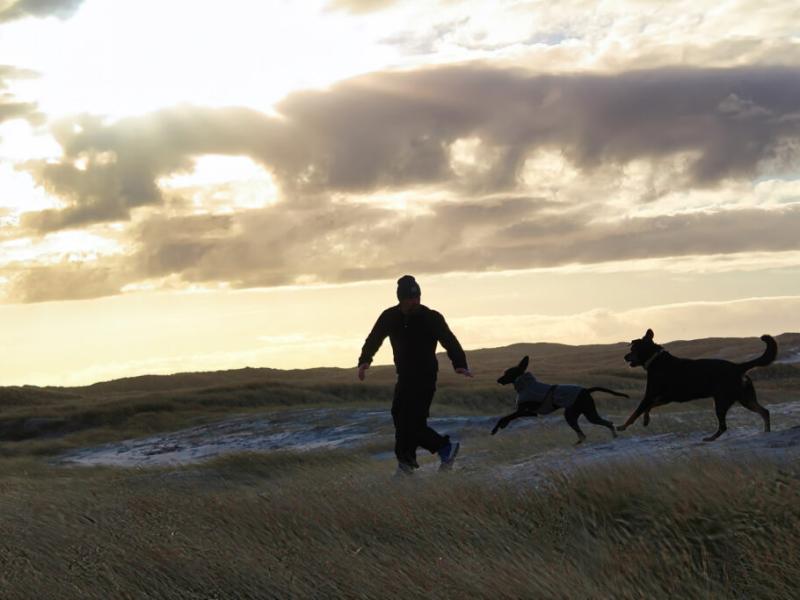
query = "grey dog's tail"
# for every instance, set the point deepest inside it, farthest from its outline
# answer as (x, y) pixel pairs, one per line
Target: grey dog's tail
(770, 352)
(607, 391)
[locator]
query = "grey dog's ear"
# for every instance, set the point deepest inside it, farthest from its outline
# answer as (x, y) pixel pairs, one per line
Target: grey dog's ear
(649, 334)
(523, 364)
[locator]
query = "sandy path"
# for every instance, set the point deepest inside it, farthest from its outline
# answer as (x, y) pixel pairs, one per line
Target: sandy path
(297, 430)
(309, 429)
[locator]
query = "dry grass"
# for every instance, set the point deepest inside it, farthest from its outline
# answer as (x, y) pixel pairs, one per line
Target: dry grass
(335, 525)
(50, 424)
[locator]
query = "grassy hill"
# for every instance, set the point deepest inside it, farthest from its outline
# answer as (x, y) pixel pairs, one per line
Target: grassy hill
(57, 417)
(332, 523)
(559, 362)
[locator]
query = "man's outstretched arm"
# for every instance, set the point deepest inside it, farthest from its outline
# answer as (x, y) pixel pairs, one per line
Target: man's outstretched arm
(449, 342)
(371, 345)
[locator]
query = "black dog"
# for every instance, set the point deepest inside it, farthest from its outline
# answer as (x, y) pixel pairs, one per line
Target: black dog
(536, 398)
(671, 379)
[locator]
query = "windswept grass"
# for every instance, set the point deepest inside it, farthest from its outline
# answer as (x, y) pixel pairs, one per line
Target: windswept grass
(51, 427)
(334, 524)
(55, 424)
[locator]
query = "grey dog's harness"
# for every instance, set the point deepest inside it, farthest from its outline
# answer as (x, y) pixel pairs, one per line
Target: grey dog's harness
(548, 397)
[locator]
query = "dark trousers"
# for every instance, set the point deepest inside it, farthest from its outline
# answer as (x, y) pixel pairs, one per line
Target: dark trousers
(412, 402)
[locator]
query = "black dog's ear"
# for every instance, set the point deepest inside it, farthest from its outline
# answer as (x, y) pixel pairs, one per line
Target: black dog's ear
(649, 334)
(523, 364)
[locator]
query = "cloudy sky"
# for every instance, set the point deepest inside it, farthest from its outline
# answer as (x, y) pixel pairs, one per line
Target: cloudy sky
(194, 185)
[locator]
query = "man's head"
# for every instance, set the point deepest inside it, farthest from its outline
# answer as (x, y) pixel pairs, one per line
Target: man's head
(408, 292)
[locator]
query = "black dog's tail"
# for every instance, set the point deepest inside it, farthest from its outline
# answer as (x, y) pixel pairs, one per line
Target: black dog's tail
(769, 355)
(601, 389)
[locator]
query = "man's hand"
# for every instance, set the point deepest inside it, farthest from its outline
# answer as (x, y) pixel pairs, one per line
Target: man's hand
(464, 372)
(362, 370)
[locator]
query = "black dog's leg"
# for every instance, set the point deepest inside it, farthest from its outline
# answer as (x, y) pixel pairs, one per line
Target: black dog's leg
(750, 402)
(571, 414)
(504, 421)
(644, 407)
(722, 403)
(660, 401)
(590, 410)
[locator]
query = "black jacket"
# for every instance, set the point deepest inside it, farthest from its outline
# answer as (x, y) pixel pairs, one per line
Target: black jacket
(413, 338)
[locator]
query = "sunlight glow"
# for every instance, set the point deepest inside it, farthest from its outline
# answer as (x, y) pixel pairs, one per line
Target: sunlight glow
(415, 201)
(133, 56)
(60, 247)
(221, 184)
(19, 141)
(20, 193)
(471, 156)
(546, 171)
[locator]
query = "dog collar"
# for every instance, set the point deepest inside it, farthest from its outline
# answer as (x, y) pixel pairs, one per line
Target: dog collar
(652, 358)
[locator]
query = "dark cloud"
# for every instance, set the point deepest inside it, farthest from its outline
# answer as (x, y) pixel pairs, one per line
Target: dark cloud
(280, 245)
(702, 233)
(177, 245)
(550, 240)
(124, 160)
(65, 281)
(393, 130)
(283, 244)
(63, 9)
(17, 110)
(99, 193)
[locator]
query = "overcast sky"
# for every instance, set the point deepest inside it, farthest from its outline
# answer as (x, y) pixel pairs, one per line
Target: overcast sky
(192, 185)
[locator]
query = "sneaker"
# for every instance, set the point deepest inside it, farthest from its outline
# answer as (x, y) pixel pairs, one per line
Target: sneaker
(404, 470)
(447, 454)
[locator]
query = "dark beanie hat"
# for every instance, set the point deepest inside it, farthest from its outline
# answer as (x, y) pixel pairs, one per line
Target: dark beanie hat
(407, 287)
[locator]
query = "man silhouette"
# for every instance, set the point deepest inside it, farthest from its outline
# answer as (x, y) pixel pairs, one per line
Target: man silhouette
(414, 330)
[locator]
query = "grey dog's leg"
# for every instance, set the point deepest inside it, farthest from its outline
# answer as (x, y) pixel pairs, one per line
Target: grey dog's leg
(593, 417)
(526, 409)
(571, 414)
